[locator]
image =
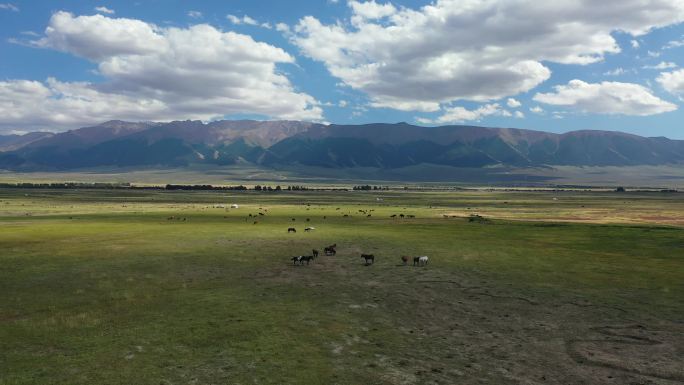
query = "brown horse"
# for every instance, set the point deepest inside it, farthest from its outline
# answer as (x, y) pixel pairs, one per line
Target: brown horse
(315, 253)
(404, 259)
(330, 250)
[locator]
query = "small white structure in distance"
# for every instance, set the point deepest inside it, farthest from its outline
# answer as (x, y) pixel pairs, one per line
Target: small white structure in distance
(378, 199)
(234, 206)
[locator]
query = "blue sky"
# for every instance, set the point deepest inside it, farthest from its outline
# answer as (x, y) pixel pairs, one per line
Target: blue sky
(565, 66)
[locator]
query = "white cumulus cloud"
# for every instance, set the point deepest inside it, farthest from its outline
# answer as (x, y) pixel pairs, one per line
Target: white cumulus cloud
(606, 98)
(616, 72)
(242, 20)
(370, 10)
(672, 82)
(480, 50)
(663, 65)
(513, 103)
(104, 9)
(54, 105)
(246, 20)
(282, 27)
(154, 73)
(537, 110)
(100, 37)
(459, 114)
(674, 44)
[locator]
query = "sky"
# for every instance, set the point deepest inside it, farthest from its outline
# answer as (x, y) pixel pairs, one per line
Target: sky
(556, 66)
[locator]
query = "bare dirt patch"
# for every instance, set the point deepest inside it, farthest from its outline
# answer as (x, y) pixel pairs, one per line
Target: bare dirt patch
(462, 327)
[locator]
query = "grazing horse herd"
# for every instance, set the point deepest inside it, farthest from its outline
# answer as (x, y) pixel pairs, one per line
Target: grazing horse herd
(331, 250)
(368, 258)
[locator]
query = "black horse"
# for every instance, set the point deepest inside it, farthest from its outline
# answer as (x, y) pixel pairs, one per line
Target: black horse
(370, 258)
(291, 230)
(301, 259)
(315, 253)
(307, 258)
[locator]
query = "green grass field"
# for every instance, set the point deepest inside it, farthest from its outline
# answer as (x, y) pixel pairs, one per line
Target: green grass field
(659, 177)
(101, 287)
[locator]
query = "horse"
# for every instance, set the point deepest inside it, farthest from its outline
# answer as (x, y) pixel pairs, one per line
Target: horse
(420, 261)
(330, 250)
(309, 229)
(315, 253)
(404, 259)
(368, 257)
(307, 258)
(291, 230)
(296, 259)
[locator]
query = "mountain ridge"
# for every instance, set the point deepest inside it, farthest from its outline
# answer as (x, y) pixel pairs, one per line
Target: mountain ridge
(272, 143)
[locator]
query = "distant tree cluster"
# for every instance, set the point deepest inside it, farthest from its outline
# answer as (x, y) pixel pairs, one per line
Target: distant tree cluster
(168, 187)
(297, 188)
(203, 187)
(267, 188)
(67, 185)
(369, 187)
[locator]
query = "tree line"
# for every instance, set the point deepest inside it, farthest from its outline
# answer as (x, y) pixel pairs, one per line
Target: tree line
(170, 187)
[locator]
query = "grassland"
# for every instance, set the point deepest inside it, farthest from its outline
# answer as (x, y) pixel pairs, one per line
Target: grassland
(101, 287)
(666, 176)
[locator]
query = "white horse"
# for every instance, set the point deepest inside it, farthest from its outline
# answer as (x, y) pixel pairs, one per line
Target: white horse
(420, 261)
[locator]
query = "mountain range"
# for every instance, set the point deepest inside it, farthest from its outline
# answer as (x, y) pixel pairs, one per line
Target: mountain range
(275, 143)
